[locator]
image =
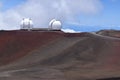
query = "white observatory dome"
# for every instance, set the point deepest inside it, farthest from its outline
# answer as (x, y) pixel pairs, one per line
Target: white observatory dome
(26, 24)
(55, 25)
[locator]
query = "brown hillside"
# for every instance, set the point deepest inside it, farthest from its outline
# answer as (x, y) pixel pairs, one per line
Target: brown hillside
(112, 33)
(15, 44)
(54, 55)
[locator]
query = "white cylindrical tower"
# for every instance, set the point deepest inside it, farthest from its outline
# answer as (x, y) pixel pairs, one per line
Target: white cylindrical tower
(26, 24)
(55, 25)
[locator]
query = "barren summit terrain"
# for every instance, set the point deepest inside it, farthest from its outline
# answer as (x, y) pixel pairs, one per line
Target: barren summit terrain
(54, 55)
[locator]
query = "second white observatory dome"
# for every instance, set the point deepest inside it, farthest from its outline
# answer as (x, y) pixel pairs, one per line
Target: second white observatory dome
(55, 25)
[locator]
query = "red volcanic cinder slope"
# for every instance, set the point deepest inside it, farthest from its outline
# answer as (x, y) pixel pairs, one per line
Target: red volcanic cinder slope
(15, 44)
(54, 55)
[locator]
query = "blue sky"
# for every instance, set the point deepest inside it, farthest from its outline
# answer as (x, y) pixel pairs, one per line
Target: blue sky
(85, 19)
(109, 16)
(7, 4)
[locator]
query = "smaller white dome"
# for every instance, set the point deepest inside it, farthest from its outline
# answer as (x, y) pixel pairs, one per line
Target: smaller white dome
(55, 25)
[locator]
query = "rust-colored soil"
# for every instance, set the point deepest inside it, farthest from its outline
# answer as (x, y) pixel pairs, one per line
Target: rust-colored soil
(16, 44)
(54, 55)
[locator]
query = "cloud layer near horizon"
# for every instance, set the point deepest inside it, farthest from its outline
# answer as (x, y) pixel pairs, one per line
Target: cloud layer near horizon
(42, 12)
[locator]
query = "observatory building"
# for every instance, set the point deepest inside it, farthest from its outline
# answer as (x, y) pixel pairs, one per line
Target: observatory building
(26, 24)
(55, 25)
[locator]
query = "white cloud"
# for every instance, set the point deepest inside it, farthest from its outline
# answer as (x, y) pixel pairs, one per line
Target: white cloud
(69, 31)
(42, 11)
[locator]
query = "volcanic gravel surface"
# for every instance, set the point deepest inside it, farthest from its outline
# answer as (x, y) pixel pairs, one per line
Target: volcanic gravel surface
(55, 55)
